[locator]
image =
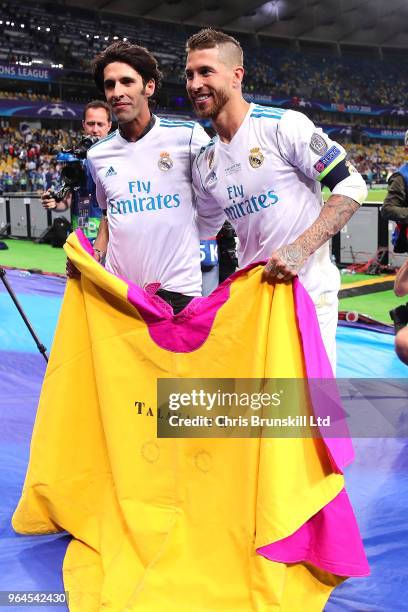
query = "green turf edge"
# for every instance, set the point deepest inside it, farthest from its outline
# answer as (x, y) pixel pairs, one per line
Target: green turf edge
(25, 254)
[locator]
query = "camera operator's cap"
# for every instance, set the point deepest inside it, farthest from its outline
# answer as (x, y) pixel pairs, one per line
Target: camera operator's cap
(66, 157)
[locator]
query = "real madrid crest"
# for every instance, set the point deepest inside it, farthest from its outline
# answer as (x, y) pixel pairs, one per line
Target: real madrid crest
(165, 162)
(256, 157)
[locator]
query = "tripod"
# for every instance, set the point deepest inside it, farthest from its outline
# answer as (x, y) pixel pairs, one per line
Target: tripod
(40, 346)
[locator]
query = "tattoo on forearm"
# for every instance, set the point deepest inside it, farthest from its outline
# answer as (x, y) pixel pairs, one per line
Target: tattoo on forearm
(293, 256)
(334, 215)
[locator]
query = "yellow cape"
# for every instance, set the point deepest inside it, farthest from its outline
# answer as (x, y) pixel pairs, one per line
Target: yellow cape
(165, 525)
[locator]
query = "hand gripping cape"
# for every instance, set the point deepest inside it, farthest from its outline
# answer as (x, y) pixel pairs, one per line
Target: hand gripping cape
(183, 525)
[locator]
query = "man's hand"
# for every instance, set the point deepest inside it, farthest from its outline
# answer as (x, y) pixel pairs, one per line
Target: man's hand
(98, 255)
(48, 201)
(73, 272)
(284, 264)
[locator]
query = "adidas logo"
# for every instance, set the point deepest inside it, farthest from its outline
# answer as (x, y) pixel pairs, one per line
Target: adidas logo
(111, 172)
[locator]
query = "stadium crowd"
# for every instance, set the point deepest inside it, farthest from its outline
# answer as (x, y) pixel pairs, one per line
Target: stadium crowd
(27, 95)
(333, 79)
(27, 158)
(71, 37)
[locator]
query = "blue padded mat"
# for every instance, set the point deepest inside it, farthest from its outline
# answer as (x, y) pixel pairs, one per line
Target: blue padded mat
(377, 481)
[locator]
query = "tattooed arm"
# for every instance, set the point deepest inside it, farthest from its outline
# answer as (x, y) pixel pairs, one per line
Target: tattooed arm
(285, 263)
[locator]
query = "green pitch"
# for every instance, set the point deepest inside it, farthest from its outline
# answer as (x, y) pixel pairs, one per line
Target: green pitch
(374, 195)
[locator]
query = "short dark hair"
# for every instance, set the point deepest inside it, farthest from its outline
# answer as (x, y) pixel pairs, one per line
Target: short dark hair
(208, 38)
(137, 57)
(97, 104)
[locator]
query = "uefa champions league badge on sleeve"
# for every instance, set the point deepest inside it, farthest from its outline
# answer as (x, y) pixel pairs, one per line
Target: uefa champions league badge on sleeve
(318, 144)
(165, 162)
(256, 157)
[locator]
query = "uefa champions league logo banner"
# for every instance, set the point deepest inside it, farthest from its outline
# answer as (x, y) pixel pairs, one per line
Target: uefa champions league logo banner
(335, 131)
(29, 73)
(41, 109)
(303, 104)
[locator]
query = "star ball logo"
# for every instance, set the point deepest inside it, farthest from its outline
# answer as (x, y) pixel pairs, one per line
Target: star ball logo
(57, 110)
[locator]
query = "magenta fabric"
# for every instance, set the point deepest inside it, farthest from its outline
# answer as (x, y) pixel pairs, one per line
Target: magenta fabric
(330, 540)
(152, 288)
(85, 244)
(325, 400)
(185, 331)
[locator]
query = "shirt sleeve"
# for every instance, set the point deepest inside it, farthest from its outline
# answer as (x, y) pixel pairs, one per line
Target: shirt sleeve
(100, 193)
(199, 139)
(210, 215)
(308, 148)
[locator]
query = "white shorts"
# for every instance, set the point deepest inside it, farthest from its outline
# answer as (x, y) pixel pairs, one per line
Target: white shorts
(327, 315)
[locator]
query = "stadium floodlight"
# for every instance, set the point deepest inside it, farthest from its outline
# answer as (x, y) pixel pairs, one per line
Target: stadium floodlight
(12, 24)
(96, 36)
(47, 29)
(116, 38)
(7, 23)
(22, 25)
(38, 28)
(125, 39)
(106, 37)
(87, 35)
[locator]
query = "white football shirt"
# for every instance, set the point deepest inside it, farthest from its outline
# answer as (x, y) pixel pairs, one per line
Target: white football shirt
(145, 186)
(266, 183)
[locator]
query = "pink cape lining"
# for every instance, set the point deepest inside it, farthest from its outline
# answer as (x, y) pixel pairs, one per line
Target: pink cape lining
(330, 539)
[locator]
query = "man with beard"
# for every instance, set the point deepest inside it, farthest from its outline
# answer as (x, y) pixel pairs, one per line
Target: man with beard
(263, 172)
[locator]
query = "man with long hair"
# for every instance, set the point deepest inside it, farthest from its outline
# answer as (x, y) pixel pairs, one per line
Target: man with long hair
(143, 180)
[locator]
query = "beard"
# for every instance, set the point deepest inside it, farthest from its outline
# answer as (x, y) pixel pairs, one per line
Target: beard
(218, 100)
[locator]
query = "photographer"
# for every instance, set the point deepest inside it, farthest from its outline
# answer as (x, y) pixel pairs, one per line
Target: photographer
(395, 207)
(79, 193)
(400, 314)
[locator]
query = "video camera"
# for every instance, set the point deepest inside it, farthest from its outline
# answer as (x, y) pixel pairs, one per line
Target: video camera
(73, 176)
(227, 251)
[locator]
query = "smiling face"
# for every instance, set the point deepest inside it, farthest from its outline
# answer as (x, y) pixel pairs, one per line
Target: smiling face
(211, 81)
(126, 93)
